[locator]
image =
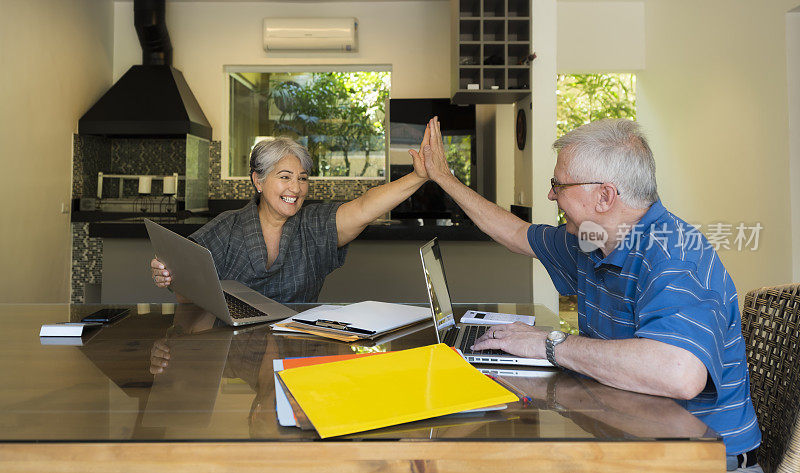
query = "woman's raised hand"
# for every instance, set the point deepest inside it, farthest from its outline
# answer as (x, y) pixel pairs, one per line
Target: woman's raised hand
(417, 156)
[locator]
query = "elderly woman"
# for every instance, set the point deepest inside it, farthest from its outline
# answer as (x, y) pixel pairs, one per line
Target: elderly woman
(279, 247)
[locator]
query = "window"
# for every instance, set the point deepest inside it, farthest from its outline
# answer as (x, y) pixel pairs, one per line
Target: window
(407, 123)
(338, 115)
(583, 98)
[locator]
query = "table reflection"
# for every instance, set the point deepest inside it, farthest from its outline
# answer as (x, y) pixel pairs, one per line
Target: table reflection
(181, 375)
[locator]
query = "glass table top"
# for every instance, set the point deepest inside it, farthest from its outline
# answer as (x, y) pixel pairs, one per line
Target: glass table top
(218, 385)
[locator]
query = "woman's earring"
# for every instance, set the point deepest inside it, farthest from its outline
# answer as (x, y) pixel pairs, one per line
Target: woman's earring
(259, 191)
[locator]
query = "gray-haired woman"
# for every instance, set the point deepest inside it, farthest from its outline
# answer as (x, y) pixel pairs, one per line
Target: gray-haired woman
(279, 247)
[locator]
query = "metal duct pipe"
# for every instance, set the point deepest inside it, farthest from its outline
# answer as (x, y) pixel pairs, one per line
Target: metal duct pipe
(151, 27)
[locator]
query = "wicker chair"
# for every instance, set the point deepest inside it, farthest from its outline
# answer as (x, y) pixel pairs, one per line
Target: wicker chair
(771, 327)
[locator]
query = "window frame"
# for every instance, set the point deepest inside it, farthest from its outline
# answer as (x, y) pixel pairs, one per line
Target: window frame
(228, 70)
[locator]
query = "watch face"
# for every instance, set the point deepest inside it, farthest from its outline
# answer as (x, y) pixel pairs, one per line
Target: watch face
(556, 336)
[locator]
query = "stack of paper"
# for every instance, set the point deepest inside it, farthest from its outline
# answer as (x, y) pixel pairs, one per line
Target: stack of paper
(371, 392)
(363, 320)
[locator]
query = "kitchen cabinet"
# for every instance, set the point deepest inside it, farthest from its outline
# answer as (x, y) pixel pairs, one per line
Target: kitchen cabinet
(491, 51)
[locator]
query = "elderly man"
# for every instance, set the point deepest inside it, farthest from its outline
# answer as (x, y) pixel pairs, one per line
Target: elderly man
(657, 311)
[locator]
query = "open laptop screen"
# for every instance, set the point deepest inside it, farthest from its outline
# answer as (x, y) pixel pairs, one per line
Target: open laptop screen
(438, 294)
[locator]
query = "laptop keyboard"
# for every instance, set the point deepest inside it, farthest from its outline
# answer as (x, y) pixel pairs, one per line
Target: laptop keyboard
(240, 309)
(450, 336)
(472, 333)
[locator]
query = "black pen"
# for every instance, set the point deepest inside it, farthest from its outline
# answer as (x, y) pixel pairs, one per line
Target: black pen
(334, 325)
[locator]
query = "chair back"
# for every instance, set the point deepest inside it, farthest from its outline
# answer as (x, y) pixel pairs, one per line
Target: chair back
(771, 327)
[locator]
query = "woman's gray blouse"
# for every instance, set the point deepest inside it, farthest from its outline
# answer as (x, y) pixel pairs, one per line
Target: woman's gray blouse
(307, 251)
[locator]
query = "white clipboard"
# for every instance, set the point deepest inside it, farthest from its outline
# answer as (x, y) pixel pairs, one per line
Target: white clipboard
(366, 319)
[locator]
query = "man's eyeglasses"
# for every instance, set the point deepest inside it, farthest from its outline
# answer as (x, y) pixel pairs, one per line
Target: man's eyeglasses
(555, 185)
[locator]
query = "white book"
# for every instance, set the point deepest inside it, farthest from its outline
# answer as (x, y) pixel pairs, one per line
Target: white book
(366, 319)
(67, 329)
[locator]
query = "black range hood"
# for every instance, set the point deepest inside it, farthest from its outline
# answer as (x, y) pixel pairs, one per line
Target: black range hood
(150, 100)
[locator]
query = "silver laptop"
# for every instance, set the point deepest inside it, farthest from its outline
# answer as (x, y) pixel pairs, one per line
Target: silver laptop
(194, 276)
(461, 336)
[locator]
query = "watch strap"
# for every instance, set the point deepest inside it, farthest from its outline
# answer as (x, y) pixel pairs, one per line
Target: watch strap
(550, 350)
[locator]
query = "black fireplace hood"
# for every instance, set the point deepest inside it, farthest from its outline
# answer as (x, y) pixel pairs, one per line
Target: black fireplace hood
(152, 99)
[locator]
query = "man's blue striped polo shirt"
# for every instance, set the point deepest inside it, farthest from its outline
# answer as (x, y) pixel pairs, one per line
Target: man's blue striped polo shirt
(665, 282)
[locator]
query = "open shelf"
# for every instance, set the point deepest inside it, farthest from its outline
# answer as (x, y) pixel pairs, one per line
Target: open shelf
(494, 30)
(494, 55)
(519, 78)
(469, 8)
(494, 78)
(469, 30)
(494, 8)
(468, 76)
(519, 30)
(469, 55)
(517, 54)
(493, 43)
(518, 8)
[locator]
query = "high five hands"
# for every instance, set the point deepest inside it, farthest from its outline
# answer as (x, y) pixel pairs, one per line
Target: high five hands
(432, 154)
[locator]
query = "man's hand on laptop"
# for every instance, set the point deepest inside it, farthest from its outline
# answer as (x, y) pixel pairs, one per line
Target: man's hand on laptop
(161, 276)
(517, 339)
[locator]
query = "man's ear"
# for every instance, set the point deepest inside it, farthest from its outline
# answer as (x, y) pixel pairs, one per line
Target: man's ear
(606, 198)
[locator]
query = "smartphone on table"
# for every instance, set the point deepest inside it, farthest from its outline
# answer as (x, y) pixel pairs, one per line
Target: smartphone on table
(106, 316)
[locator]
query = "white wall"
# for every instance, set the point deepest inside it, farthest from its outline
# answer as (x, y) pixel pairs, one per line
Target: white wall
(55, 61)
(542, 128)
(600, 36)
(414, 37)
(793, 82)
(505, 116)
(712, 96)
(714, 100)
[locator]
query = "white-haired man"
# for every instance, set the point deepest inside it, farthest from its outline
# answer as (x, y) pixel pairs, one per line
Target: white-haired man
(657, 311)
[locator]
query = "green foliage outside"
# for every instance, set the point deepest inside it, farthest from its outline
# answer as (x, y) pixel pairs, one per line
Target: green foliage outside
(458, 151)
(334, 113)
(584, 98)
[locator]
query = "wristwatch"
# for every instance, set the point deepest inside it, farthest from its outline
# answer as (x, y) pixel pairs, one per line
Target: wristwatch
(553, 338)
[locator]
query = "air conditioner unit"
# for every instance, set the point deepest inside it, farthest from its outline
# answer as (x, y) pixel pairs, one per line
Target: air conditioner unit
(282, 34)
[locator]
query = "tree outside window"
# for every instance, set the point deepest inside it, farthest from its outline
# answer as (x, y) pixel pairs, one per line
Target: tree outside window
(583, 98)
(338, 116)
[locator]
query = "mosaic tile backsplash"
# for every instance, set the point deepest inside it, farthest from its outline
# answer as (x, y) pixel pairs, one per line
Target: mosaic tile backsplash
(87, 262)
(318, 189)
(158, 156)
(129, 156)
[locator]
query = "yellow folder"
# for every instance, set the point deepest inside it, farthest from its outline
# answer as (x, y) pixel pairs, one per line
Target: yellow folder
(377, 391)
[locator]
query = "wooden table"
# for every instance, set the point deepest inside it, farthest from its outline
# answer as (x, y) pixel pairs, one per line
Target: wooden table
(97, 407)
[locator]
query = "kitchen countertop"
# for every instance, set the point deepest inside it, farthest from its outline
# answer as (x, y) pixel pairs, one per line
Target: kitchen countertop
(120, 225)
